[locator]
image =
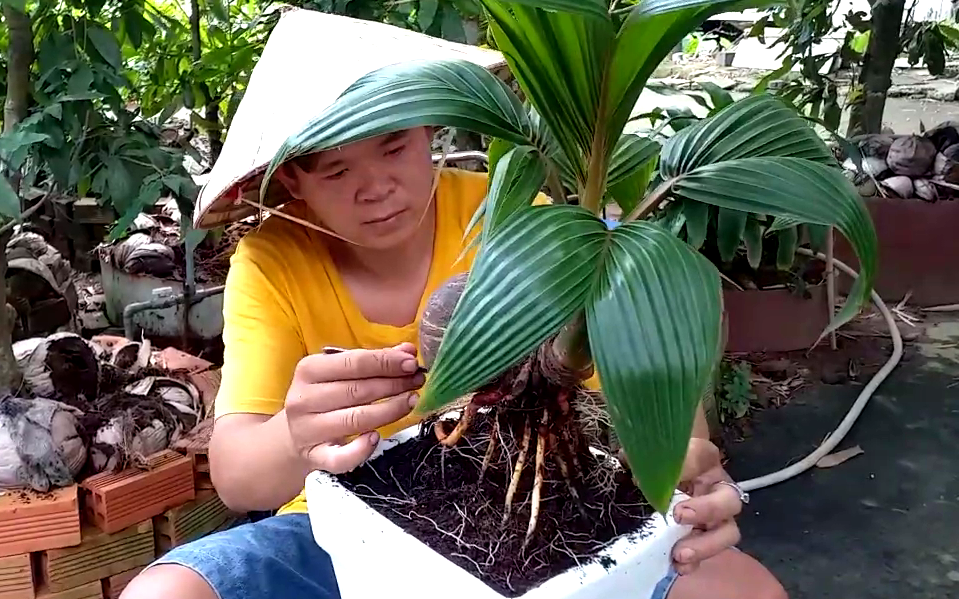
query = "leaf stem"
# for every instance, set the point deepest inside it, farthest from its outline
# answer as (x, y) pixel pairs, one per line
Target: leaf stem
(571, 346)
(651, 203)
(555, 186)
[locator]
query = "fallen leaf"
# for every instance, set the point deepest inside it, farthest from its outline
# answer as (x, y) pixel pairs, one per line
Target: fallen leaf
(836, 458)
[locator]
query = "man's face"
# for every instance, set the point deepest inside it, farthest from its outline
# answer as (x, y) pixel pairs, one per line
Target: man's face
(373, 192)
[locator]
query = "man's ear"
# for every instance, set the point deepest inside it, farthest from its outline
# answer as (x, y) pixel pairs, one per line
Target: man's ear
(291, 176)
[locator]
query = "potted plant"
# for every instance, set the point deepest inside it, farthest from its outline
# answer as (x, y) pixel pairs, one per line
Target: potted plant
(555, 295)
(774, 300)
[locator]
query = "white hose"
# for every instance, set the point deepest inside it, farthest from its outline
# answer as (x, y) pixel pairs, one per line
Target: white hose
(837, 435)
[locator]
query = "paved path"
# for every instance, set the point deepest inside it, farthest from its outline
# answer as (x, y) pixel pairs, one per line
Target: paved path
(884, 524)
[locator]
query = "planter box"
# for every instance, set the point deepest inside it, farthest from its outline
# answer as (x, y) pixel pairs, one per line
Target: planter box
(918, 250)
(355, 535)
(31, 521)
(774, 320)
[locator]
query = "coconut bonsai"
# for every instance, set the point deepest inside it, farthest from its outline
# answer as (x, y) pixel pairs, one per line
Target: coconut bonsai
(554, 293)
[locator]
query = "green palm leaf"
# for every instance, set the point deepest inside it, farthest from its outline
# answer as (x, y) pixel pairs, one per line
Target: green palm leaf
(797, 188)
(453, 93)
(630, 170)
(530, 279)
(654, 361)
(558, 59)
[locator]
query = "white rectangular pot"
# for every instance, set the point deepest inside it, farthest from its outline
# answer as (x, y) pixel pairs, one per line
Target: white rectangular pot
(373, 557)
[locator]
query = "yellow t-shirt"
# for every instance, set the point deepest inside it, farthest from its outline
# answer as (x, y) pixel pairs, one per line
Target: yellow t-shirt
(285, 300)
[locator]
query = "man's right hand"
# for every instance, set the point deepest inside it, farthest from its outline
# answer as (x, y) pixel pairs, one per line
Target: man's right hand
(337, 396)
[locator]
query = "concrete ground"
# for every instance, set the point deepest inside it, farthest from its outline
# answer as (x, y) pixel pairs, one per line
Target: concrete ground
(884, 524)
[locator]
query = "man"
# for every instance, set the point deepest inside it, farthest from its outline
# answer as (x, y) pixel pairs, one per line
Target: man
(285, 409)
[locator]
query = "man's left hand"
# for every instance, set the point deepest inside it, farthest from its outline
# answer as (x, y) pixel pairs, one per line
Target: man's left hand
(710, 510)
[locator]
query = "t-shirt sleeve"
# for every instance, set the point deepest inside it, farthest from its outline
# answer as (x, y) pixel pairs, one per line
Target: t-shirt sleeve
(262, 342)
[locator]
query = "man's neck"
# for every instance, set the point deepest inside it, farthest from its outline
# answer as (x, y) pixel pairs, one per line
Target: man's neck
(393, 264)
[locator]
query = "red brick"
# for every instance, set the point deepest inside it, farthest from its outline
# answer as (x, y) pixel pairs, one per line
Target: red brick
(31, 521)
(114, 501)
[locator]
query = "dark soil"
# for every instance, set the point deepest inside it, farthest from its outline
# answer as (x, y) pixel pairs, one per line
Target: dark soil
(435, 495)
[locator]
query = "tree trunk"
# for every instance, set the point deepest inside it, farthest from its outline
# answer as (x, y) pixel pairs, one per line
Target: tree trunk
(216, 135)
(19, 59)
(876, 74)
(10, 377)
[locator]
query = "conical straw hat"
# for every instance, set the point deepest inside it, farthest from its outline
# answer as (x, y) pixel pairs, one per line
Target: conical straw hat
(309, 60)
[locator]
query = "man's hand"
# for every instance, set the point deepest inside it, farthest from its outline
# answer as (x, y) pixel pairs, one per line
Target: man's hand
(710, 510)
(335, 397)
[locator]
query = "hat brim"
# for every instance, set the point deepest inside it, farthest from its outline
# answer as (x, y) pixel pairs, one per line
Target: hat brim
(282, 97)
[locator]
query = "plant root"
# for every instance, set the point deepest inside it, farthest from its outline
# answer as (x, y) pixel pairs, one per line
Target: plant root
(451, 439)
(535, 499)
(491, 448)
(517, 473)
(560, 450)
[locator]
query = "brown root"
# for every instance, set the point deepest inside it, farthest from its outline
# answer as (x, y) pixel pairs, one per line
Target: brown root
(560, 450)
(451, 439)
(517, 472)
(535, 498)
(491, 448)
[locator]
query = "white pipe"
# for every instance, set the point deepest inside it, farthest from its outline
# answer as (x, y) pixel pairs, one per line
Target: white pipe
(837, 435)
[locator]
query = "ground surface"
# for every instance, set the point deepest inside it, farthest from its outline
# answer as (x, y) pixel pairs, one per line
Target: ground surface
(883, 524)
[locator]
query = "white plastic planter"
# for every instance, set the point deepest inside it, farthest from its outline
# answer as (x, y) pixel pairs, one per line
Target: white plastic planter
(373, 557)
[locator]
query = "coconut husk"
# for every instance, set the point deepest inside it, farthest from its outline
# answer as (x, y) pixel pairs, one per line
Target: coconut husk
(40, 447)
(62, 366)
(911, 155)
(900, 186)
(944, 134)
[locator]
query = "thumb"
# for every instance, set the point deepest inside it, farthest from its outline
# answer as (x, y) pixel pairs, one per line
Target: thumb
(338, 459)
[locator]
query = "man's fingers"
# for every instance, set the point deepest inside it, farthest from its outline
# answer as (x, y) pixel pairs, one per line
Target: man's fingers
(357, 364)
(337, 458)
(358, 420)
(328, 397)
(706, 511)
(696, 548)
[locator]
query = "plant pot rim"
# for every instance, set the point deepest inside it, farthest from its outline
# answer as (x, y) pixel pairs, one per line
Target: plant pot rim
(355, 535)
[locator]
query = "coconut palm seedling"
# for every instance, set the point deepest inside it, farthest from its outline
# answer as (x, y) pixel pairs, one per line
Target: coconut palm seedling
(554, 294)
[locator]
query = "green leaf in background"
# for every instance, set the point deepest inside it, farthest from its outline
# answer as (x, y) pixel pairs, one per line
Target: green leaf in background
(654, 362)
(531, 278)
(719, 97)
(219, 10)
(106, 45)
(450, 93)
(729, 232)
(805, 190)
(150, 192)
(452, 25)
(786, 250)
(426, 13)
(753, 236)
(9, 200)
(697, 223)
(20, 5)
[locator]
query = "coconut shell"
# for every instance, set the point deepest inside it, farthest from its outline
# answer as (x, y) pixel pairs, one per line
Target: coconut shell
(925, 190)
(873, 146)
(437, 315)
(62, 366)
(946, 167)
(944, 134)
(911, 155)
(900, 186)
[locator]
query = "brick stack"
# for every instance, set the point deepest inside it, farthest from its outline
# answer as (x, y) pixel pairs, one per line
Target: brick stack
(89, 540)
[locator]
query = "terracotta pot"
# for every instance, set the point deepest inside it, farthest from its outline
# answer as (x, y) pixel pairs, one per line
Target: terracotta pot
(918, 250)
(774, 320)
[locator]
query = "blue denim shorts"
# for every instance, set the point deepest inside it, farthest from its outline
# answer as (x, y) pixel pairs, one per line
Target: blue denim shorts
(275, 557)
